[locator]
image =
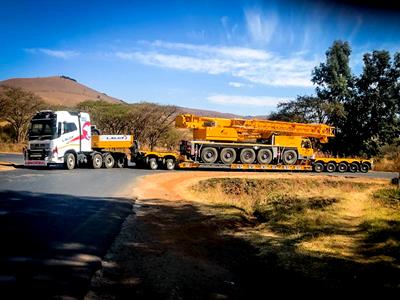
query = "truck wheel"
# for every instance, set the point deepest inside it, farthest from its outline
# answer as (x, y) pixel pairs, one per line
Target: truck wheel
(228, 156)
(153, 164)
(330, 167)
(119, 162)
(169, 164)
(353, 167)
(97, 161)
(209, 155)
(108, 161)
(318, 167)
(364, 168)
(264, 156)
(289, 157)
(247, 156)
(69, 161)
(342, 167)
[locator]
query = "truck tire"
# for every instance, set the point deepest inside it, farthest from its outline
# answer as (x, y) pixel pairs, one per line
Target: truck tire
(353, 167)
(69, 161)
(247, 156)
(289, 157)
(169, 164)
(228, 156)
(330, 167)
(318, 167)
(209, 155)
(119, 162)
(342, 167)
(264, 156)
(153, 164)
(108, 161)
(97, 161)
(364, 167)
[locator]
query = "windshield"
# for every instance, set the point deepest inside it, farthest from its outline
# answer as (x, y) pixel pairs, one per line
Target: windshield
(42, 129)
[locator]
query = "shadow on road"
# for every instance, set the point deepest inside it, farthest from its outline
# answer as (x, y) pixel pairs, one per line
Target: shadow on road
(52, 244)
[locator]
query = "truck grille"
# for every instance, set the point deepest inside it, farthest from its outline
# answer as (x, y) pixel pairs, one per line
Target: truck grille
(37, 155)
(39, 146)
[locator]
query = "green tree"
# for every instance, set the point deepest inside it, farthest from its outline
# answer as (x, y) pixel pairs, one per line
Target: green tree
(18, 107)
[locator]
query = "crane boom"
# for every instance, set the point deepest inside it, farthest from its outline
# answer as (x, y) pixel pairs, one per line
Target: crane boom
(239, 130)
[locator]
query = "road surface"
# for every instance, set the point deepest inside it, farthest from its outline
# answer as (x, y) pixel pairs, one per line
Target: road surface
(56, 225)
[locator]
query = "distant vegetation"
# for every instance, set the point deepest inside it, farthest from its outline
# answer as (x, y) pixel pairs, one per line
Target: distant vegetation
(365, 109)
(69, 78)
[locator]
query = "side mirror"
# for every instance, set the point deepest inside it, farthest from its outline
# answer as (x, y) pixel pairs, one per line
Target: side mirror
(59, 129)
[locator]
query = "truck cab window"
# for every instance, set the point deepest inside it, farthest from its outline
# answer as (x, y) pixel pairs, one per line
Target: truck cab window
(69, 127)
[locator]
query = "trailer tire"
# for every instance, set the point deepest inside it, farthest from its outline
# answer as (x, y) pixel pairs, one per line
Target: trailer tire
(119, 162)
(342, 167)
(247, 156)
(108, 161)
(169, 164)
(289, 157)
(264, 156)
(209, 155)
(153, 164)
(330, 167)
(318, 167)
(69, 161)
(97, 161)
(353, 167)
(364, 167)
(228, 156)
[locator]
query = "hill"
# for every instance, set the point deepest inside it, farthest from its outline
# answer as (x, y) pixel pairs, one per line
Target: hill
(59, 90)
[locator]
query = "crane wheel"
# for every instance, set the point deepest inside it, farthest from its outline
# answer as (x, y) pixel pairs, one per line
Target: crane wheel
(228, 156)
(353, 167)
(330, 167)
(264, 156)
(364, 167)
(69, 161)
(169, 164)
(153, 164)
(289, 157)
(97, 161)
(318, 167)
(108, 161)
(342, 167)
(209, 155)
(247, 156)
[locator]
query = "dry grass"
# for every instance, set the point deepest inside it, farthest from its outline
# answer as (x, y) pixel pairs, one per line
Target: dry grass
(11, 147)
(388, 165)
(324, 217)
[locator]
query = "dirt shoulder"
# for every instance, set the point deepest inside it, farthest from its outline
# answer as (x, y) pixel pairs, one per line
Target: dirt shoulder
(6, 166)
(176, 246)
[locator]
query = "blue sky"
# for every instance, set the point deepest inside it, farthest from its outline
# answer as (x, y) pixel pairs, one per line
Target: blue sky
(232, 56)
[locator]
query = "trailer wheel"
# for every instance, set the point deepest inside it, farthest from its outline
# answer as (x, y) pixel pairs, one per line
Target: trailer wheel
(169, 164)
(153, 164)
(69, 161)
(228, 155)
(209, 155)
(264, 156)
(342, 167)
(247, 156)
(353, 167)
(289, 157)
(330, 167)
(318, 167)
(97, 161)
(108, 161)
(364, 168)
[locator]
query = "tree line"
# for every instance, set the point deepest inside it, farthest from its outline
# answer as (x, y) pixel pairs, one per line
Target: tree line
(365, 109)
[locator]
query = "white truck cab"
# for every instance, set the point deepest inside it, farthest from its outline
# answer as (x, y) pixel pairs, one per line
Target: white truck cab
(53, 135)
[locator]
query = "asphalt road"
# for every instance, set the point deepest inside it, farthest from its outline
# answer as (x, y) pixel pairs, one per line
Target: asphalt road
(56, 225)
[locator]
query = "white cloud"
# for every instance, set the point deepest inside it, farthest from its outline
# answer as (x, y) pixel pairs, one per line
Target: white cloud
(254, 65)
(260, 26)
(239, 84)
(246, 100)
(65, 54)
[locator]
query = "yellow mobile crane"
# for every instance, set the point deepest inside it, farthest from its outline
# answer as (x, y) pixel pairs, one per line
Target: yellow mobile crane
(259, 144)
